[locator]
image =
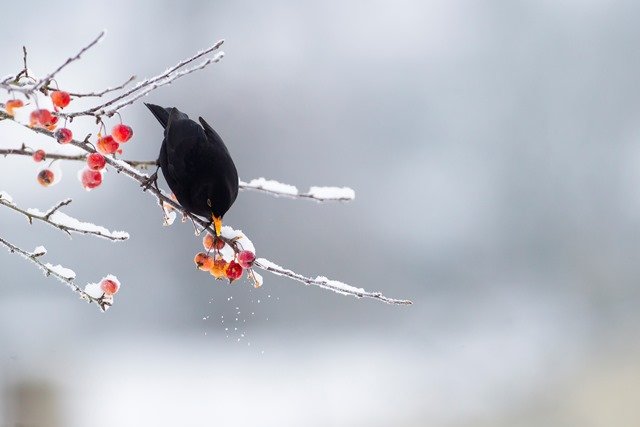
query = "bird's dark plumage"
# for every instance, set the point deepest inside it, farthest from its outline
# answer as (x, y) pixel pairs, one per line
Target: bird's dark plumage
(196, 164)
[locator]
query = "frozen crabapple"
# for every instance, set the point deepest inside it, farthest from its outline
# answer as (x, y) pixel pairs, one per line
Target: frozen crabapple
(107, 145)
(60, 98)
(246, 258)
(234, 271)
(207, 242)
(122, 133)
(110, 286)
(211, 242)
(12, 104)
(39, 155)
(90, 179)
(219, 268)
(42, 118)
(63, 135)
(96, 161)
(45, 177)
(203, 261)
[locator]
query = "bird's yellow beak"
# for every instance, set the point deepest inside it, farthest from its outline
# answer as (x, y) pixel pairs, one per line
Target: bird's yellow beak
(217, 224)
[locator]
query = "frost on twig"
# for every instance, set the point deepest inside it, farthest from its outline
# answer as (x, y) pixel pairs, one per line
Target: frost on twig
(63, 274)
(323, 282)
(63, 221)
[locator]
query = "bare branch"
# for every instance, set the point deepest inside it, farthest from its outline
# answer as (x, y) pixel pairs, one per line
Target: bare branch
(24, 151)
(161, 83)
(95, 111)
(103, 92)
(48, 77)
(63, 221)
(57, 271)
(323, 282)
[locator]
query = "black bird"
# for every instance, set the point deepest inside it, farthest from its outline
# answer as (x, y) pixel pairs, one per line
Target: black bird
(196, 164)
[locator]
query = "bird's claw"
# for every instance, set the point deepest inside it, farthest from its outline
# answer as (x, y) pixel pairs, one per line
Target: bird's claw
(149, 181)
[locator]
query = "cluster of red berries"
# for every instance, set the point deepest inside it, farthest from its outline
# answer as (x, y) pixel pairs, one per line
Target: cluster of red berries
(91, 175)
(217, 265)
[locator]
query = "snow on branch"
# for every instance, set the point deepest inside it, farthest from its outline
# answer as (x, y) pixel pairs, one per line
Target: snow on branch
(63, 221)
(63, 274)
(323, 282)
(278, 189)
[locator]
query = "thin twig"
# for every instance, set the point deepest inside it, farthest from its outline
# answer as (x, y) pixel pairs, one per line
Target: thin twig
(24, 151)
(48, 77)
(103, 302)
(143, 84)
(161, 83)
(103, 92)
(325, 283)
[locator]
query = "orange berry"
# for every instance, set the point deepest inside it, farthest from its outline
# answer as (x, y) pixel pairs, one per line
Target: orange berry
(203, 261)
(107, 145)
(219, 268)
(207, 242)
(13, 104)
(60, 98)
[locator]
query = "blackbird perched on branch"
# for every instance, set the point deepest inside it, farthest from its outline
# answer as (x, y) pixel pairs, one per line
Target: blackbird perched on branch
(196, 164)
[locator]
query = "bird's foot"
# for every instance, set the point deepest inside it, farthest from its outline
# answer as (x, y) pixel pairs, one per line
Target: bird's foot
(149, 181)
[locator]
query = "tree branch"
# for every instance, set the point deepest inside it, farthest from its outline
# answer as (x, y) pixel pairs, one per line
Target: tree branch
(64, 275)
(323, 282)
(63, 221)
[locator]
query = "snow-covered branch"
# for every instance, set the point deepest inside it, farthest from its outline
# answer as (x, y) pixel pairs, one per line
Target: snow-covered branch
(323, 282)
(63, 274)
(278, 189)
(63, 221)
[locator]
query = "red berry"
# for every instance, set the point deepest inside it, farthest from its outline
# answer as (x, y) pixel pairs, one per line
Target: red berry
(60, 98)
(96, 161)
(39, 155)
(107, 145)
(63, 135)
(42, 118)
(13, 104)
(45, 177)
(90, 179)
(122, 133)
(246, 258)
(110, 286)
(234, 271)
(203, 261)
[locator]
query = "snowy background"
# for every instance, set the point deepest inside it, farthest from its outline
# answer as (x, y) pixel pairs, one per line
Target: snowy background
(494, 149)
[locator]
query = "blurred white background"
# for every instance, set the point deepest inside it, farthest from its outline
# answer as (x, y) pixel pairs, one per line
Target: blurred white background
(493, 147)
